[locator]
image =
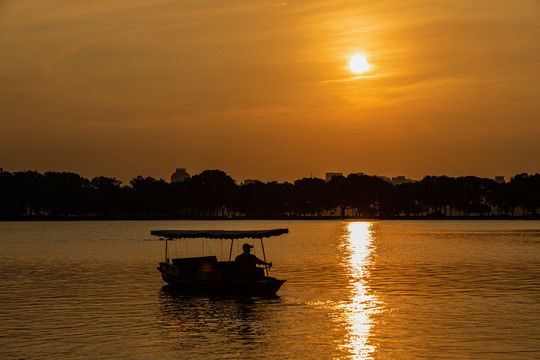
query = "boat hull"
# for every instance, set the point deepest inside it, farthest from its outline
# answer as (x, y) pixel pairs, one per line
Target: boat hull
(266, 287)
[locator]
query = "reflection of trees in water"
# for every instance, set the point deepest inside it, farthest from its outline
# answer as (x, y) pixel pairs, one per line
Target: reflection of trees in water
(214, 321)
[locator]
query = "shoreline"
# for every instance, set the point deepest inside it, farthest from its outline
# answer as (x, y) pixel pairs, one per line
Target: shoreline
(307, 218)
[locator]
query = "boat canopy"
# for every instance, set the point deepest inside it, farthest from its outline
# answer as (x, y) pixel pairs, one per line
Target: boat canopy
(218, 234)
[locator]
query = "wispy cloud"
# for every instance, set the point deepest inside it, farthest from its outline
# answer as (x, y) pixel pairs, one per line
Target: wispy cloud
(187, 67)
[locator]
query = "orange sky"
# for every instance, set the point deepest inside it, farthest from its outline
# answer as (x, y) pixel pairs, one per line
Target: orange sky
(262, 89)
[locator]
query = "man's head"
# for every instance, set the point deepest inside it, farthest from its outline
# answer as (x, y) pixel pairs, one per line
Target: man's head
(247, 248)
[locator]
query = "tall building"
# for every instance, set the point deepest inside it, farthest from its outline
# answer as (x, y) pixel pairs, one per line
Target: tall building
(179, 175)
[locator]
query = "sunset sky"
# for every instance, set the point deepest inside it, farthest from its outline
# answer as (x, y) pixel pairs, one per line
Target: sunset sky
(262, 89)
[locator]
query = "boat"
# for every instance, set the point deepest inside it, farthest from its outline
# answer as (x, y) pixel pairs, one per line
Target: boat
(207, 275)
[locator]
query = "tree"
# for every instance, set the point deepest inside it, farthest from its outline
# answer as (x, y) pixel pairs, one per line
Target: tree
(311, 193)
(150, 196)
(9, 204)
(66, 193)
(212, 192)
(436, 193)
(108, 196)
(407, 195)
(367, 193)
(474, 195)
(339, 194)
(525, 191)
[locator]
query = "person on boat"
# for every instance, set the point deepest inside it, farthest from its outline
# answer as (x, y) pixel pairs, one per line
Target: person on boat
(246, 263)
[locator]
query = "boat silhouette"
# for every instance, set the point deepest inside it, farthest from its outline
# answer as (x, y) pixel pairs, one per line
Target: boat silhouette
(207, 275)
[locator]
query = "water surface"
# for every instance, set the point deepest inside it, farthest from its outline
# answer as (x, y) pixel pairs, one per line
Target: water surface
(355, 290)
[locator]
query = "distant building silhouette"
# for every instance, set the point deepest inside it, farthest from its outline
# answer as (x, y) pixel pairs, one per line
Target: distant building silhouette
(500, 179)
(251, 181)
(330, 175)
(179, 175)
(398, 180)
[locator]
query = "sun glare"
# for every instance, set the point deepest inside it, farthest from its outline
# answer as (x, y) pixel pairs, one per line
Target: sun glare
(359, 64)
(359, 312)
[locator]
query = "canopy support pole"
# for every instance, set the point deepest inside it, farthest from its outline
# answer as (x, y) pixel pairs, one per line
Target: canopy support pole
(264, 255)
(230, 252)
(166, 250)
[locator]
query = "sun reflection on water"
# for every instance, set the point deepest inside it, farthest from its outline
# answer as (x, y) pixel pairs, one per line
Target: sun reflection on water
(357, 248)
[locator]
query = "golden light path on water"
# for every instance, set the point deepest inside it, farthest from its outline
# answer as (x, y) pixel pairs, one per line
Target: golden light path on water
(357, 249)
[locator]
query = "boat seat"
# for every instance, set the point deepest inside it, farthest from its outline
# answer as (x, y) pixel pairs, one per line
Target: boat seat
(194, 260)
(189, 267)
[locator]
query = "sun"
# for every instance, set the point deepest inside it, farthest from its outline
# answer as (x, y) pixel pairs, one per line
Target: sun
(359, 64)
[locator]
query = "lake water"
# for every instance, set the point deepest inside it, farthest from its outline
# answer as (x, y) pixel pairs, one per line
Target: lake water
(354, 290)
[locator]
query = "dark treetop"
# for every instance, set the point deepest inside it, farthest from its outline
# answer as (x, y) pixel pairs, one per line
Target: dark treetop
(213, 194)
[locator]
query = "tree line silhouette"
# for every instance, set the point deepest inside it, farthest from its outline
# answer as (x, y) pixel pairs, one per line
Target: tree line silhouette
(214, 194)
